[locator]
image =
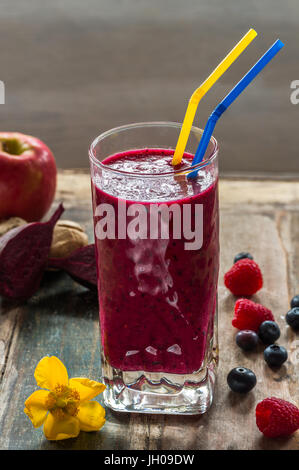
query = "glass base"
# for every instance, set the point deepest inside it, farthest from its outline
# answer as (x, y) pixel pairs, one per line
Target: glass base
(163, 393)
(145, 392)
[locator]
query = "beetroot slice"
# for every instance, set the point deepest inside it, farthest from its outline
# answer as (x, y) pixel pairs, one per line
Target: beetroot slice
(80, 265)
(23, 257)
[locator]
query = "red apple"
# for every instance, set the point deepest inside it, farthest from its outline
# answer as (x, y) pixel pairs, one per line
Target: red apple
(27, 176)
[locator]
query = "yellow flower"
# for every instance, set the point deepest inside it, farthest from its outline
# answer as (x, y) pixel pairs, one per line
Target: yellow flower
(65, 407)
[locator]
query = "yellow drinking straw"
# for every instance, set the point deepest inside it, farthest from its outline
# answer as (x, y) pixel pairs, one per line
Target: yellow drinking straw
(202, 90)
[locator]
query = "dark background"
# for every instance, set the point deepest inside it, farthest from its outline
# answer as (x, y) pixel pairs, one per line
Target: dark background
(75, 68)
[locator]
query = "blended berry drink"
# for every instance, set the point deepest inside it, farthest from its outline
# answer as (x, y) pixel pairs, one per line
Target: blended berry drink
(157, 245)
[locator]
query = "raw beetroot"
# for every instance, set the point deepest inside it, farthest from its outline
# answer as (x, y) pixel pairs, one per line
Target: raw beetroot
(24, 253)
(23, 257)
(80, 265)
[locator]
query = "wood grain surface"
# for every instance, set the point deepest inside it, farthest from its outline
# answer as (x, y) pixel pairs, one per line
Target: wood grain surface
(74, 69)
(62, 319)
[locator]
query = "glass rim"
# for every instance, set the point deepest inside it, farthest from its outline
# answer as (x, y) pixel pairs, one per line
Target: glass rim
(137, 125)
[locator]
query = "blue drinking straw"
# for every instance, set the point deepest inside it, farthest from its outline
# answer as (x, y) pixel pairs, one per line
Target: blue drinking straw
(229, 99)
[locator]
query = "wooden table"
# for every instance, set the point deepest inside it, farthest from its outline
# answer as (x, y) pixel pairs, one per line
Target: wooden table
(62, 319)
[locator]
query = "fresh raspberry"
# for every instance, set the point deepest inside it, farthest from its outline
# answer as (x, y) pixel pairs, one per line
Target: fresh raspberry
(249, 315)
(244, 277)
(276, 417)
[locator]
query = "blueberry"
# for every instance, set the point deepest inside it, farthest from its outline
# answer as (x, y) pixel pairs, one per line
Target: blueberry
(241, 380)
(268, 332)
(295, 301)
(275, 355)
(247, 339)
(242, 255)
(292, 318)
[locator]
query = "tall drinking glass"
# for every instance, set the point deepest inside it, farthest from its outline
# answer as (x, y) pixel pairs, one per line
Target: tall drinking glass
(157, 245)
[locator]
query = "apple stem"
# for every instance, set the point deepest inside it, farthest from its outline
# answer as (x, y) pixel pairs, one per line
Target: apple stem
(13, 146)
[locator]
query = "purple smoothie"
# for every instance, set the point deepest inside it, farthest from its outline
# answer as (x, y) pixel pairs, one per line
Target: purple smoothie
(157, 300)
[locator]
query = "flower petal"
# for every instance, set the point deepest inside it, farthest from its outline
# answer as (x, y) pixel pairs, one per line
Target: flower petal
(91, 416)
(56, 429)
(49, 372)
(35, 407)
(87, 388)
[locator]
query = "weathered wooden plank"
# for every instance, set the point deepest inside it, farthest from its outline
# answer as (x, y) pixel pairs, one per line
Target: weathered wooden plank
(62, 319)
(74, 185)
(150, 74)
